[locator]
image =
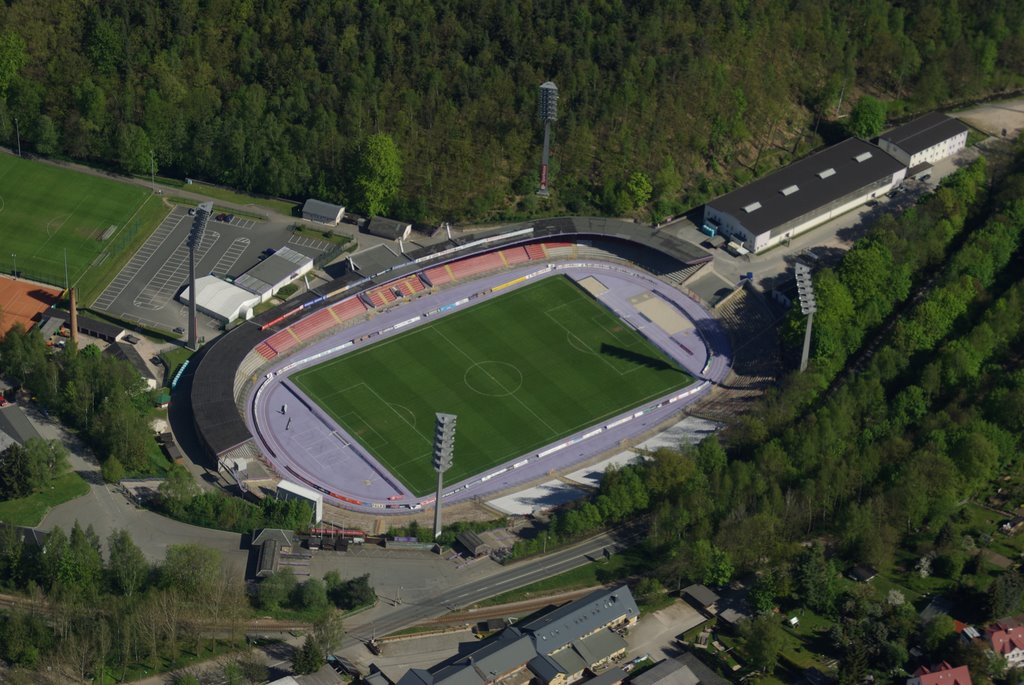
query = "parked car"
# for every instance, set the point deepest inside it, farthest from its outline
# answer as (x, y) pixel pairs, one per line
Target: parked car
(179, 330)
(925, 177)
(191, 211)
(228, 218)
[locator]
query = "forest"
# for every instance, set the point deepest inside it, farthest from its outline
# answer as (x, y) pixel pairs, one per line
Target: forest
(428, 110)
(903, 462)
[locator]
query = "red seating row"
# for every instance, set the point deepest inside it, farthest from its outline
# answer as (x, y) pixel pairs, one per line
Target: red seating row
(471, 266)
(536, 251)
(410, 285)
(439, 275)
(381, 296)
(266, 350)
(282, 341)
(350, 308)
(515, 255)
(314, 324)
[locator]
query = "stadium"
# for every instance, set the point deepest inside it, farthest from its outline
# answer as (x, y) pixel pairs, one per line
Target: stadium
(553, 342)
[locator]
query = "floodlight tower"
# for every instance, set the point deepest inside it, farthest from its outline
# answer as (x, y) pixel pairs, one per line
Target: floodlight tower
(444, 446)
(808, 305)
(548, 114)
(195, 236)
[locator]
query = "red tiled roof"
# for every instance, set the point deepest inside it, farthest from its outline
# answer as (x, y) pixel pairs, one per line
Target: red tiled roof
(1006, 640)
(945, 675)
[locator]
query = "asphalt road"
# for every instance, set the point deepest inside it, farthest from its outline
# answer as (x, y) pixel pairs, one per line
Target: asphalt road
(388, 618)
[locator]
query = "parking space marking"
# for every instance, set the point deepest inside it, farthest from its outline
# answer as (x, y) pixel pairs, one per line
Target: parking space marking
(230, 256)
(301, 241)
(172, 274)
(139, 259)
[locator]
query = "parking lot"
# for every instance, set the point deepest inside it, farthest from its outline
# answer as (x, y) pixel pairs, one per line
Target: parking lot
(144, 291)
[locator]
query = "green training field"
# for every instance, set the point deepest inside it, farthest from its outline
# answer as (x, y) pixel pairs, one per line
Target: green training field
(521, 370)
(46, 209)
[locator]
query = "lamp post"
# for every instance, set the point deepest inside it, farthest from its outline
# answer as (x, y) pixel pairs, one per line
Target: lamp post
(14, 258)
(17, 130)
(444, 447)
(548, 114)
(808, 305)
(152, 169)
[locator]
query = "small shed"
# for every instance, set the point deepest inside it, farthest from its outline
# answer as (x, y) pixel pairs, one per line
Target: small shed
(473, 543)
(701, 597)
(322, 212)
(861, 573)
(382, 227)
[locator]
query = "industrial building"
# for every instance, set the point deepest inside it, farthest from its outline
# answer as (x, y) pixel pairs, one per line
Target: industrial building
(129, 353)
(273, 273)
(221, 300)
(803, 195)
(554, 648)
(924, 141)
(322, 212)
(382, 227)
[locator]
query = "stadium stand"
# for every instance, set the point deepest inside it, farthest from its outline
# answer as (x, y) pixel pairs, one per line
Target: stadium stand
(474, 266)
(515, 255)
(439, 275)
(266, 350)
(560, 250)
(381, 296)
(313, 325)
(282, 341)
(348, 309)
(410, 285)
(535, 251)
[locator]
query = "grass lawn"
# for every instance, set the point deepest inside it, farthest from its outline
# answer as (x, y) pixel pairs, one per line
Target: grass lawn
(29, 511)
(320, 234)
(521, 371)
(208, 650)
(47, 209)
(174, 359)
(217, 193)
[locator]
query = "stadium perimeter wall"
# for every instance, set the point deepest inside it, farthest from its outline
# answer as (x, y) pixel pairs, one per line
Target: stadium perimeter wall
(228, 365)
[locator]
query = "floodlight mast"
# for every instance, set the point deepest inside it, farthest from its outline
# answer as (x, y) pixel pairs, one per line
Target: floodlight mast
(808, 306)
(548, 114)
(195, 237)
(444, 447)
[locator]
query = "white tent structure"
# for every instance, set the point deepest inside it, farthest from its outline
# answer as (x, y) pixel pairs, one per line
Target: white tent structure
(220, 299)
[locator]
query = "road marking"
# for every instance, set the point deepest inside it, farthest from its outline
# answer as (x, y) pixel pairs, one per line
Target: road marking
(139, 259)
(172, 274)
(230, 256)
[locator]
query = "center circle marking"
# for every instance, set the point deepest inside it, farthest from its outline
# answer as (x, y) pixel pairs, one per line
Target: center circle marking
(493, 379)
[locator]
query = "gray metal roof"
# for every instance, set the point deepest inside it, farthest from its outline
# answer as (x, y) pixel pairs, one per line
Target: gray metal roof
(687, 669)
(128, 352)
(98, 329)
(471, 541)
(273, 271)
(819, 179)
(569, 660)
(545, 668)
(572, 621)
(376, 259)
(15, 424)
(321, 208)
(701, 594)
(416, 676)
(599, 646)
(387, 228)
(509, 652)
(924, 132)
(608, 677)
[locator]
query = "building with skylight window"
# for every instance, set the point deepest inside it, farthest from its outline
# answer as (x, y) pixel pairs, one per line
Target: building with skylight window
(803, 195)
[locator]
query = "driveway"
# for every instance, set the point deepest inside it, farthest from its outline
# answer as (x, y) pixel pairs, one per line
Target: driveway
(655, 633)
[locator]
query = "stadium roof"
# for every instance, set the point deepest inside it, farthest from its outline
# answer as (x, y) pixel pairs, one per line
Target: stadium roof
(924, 132)
(375, 260)
(274, 271)
(321, 208)
(807, 184)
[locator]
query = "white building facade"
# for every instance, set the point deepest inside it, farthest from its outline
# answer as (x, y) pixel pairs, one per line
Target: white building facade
(925, 140)
(805, 194)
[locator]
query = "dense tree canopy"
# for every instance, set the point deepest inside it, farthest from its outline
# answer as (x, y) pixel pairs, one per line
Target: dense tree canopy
(281, 97)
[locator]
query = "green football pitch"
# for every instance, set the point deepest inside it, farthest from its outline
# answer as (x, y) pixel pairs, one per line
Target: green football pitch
(521, 371)
(46, 210)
